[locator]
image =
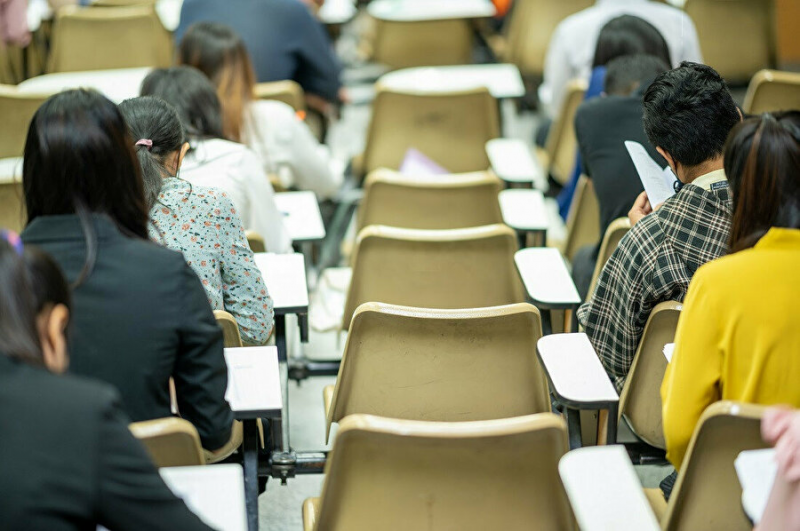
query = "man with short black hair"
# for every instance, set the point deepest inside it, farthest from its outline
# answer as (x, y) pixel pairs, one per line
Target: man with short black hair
(688, 113)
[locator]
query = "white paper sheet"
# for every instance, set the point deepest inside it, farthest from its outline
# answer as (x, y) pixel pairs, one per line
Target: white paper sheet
(657, 181)
(756, 470)
(669, 348)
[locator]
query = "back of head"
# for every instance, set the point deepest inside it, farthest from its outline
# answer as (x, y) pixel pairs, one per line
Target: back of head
(688, 112)
(193, 97)
(762, 162)
(629, 35)
(158, 132)
(219, 52)
(627, 73)
(79, 159)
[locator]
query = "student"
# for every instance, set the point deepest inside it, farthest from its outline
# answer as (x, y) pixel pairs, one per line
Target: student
(67, 458)
(281, 140)
(282, 36)
(140, 314)
(201, 223)
(738, 336)
(602, 126)
(215, 162)
(688, 113)
(572, 46)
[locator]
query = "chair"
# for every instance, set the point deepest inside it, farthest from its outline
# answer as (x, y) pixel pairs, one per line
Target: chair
(558, 156)
(422, 43)
(397, 475)
(737, 37)
(583, 221)
(451, 128)
(430, 202)
(256, 241)
(614, 233)
(708, 494)
(288, 92)
(772, 90)
(459, 268)
(170, 441)
(230, 329)
(440, 365)
(108, 38)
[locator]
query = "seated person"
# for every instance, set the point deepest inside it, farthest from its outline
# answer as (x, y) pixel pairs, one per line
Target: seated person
(602, 126)
(688, 113)
(737, 337)
(281, 140)
(282, 36)
(201, 223)
(214, 162)
(69, 461)
(140, 315)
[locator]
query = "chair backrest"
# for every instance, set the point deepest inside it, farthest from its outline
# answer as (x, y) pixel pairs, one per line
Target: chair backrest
(400, 44)
(614, 233)
(12, 205)
(441, 365)
(109, 37)
(708, 494)
(737, 37)
(170, 441)
(430, 202)
(256, 241)
(288, 91)
(583, 221)
(451, 128)
(230, 329)
(458, 268)
(640, 402)
(17, 110)
(771, 90)
(562, 144)
(397, 475)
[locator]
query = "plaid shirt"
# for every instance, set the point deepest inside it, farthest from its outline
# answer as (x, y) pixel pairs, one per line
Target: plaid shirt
(654, 263)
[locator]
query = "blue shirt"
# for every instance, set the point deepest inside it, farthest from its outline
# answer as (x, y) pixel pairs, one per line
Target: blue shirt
(283, 38)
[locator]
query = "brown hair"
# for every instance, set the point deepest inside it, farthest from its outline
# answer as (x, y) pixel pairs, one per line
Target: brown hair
(762, 163)
(219, 52)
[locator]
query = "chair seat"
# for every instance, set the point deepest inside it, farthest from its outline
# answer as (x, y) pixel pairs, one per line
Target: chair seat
(237, 436)
(657, 502)
(310, 512)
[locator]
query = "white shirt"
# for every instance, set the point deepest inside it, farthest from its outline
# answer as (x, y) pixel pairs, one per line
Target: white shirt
(236, 170)
(287, 149)
(571, 50)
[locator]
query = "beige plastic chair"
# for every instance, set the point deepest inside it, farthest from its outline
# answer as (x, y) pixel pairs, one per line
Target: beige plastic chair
(256, 241)
(230, 329)
(422, 43)
(108, 38)
(440, 365)
(430, 202)
(640, 400)
(583, 221)
(614, 233)
(558, 156)
(458, 268)
(772, 90)
(708, 494)
(737, 37)
(451, 128)
(288, 92)
(170, 441)
(399, 475)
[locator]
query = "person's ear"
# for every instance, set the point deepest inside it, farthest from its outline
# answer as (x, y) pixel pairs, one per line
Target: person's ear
(52, 336)
(181, 154)
(741, 117)
(668, 158)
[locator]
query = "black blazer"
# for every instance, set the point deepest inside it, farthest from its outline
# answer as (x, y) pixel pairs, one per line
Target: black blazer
(68, 461)
(139, 318)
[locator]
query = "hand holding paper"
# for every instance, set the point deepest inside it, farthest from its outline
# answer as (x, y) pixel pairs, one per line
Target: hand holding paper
(657, 182)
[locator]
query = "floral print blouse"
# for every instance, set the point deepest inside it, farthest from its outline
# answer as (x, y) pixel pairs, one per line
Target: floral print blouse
(202, 223)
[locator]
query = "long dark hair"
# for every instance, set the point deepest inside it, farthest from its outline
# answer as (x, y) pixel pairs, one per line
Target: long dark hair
(629, 35)
(79, 160)
(31, 281)
(193, 97)
(158, 130)
(762, 163)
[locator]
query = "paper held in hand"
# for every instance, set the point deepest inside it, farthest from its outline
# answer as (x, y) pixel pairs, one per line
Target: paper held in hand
(657, 183)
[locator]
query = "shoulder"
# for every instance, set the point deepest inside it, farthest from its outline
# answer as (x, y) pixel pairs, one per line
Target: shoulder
(274, 110)
(576, 21)
(68, 395)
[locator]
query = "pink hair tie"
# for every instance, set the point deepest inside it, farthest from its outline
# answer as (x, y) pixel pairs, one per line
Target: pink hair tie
(146, 142)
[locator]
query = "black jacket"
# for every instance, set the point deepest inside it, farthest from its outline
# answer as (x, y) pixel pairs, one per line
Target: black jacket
(139, 318)
(68, 461)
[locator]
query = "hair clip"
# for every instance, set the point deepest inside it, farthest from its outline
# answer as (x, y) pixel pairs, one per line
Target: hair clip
(13, 240)
(146, 142)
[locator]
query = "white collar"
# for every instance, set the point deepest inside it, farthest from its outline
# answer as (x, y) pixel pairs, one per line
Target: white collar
(707, 181)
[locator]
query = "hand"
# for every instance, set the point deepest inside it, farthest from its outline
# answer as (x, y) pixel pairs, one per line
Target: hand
(641, 207)
(782, 428)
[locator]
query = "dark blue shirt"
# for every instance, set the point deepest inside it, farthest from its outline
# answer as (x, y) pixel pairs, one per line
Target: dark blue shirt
(283, 38)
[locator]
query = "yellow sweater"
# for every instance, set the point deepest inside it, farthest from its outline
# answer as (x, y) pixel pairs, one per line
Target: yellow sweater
(738, 337)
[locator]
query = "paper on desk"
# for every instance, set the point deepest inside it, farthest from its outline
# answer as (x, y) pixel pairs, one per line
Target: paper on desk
(242, 381)
(669, 348)
(417, 163)
(756, 470)
(657, 182)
